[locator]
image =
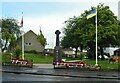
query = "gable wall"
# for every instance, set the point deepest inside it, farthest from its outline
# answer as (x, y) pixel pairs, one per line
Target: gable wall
(31, 42)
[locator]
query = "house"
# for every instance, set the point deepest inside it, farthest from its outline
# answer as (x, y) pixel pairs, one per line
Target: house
(68, 51)
(79, 52)
(49, 51)
(117, 52)
(116, 56)
(110, 50)
(30, 42)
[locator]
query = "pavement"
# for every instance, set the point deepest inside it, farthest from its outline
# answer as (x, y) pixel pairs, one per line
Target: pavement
(47, 69)
(43, 66)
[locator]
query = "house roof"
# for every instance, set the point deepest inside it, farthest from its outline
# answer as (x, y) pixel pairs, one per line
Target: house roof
(30, 31)
(118, 50)
(25, 34)
(68, 49)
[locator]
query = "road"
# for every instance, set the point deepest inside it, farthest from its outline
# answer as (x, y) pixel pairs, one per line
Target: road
(29, 77)
(49, 74)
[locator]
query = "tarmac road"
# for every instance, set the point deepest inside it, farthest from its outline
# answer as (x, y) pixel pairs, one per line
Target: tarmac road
(29, 77)
(49, 74)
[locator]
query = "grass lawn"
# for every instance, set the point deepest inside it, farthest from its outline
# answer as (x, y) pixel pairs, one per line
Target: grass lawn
(105, 65)
(68, 59)
(5, 57)
(39, 58)
(28, 56)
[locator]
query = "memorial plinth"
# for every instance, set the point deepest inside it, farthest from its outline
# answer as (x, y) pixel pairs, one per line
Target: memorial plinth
(57, 49)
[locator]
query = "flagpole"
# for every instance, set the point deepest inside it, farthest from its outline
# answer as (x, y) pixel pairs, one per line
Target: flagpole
(23, 46)
(96, 39)
(22, 40)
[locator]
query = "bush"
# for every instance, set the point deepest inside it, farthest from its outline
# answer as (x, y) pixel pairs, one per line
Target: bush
(6, 57)
(31, 51)
(82, 56)
(17, 52)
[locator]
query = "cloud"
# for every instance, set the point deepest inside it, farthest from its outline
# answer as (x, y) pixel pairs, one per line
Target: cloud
(48, 24)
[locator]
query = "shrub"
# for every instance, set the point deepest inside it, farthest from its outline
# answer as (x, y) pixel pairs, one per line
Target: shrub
(31, 51)
(17, 52)
(82, 55)
(6, 57)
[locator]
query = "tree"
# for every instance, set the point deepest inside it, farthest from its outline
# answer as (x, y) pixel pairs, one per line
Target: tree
(82, 30)
(10, 32)
(17, 52)
(72, 34)
(42, 39)
(118, 36)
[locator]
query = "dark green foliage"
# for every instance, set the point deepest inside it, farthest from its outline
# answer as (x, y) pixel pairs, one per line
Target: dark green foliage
(42, 39)
(81, 32)
(10, 32)
(17, 52)
(6, 57)
(81, 56)
(31, 51)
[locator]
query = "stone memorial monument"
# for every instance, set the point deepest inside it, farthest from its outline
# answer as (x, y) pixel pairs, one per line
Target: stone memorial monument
(57, 49)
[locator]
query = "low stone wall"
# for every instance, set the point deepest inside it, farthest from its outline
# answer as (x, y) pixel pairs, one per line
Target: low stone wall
(19, 65)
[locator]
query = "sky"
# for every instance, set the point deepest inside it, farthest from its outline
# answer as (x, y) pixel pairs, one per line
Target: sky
(48, 14)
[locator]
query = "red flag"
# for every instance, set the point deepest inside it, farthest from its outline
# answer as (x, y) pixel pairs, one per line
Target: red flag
(21, 22)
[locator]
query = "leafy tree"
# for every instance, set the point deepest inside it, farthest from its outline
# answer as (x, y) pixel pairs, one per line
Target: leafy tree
(71, 34)
(107, 28)
(10, 32)
(42, 39)
(17, 52)
(118, 36)
(81, 30)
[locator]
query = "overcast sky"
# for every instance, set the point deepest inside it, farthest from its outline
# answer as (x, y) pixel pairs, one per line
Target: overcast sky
(48, 14)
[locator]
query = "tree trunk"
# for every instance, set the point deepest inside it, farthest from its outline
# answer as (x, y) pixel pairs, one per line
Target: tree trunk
(81, 48)
(91, 52)
(76, 51)
(5, 46)
(101, 52)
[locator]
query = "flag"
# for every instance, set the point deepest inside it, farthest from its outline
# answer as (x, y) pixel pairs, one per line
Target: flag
(21, 24)
(91, 14)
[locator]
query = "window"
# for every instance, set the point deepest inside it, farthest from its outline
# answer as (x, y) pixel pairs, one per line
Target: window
(26, 43)
(30, 44)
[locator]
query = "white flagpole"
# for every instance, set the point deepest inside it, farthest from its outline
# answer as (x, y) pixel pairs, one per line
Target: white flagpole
(23, 46)
(22, 40)
(96, 40)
